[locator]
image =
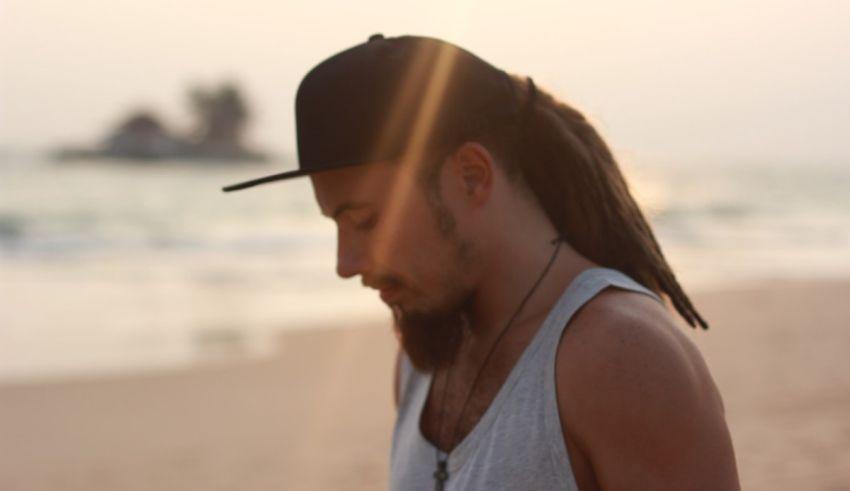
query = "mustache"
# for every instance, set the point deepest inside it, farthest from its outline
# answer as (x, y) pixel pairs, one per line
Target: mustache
(383, 281)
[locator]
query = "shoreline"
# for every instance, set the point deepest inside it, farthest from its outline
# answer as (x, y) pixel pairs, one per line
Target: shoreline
(207, 344)
(318, 413)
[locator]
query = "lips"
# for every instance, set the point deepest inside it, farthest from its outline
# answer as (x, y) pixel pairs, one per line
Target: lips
(389, 287)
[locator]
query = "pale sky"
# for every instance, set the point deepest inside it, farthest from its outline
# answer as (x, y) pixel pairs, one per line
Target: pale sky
(694, 81)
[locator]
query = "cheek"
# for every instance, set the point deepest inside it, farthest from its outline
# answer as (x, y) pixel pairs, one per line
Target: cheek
(414, 243)
(426, 255)
(395, 248)
(400, 238)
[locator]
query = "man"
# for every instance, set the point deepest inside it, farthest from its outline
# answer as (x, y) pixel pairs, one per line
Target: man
(524, 281)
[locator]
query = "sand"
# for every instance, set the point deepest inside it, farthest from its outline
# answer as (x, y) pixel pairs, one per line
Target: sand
(318, 414)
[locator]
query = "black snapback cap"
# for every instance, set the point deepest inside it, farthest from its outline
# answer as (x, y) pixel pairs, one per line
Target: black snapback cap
(368, 103)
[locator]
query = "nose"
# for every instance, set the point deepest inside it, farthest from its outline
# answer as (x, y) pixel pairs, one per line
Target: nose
(352, 257)
(349, 267)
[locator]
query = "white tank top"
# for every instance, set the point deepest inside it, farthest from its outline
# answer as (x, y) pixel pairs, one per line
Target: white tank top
(518, 443)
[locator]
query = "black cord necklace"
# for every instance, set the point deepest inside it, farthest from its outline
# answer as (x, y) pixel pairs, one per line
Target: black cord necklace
(441, 474)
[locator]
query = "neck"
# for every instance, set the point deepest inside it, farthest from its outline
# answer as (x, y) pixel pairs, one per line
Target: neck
(511, 272)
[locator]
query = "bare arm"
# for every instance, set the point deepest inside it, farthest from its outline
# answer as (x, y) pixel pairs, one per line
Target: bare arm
(637, 403)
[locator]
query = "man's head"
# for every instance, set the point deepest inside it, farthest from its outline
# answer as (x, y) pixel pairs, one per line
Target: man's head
(383, 120)
(446, 147)
(420, 233)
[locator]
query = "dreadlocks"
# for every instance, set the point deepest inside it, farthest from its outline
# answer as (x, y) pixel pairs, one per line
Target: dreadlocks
(573, 175)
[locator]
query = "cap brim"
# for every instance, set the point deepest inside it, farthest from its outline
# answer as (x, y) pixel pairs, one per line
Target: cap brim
(282, 176)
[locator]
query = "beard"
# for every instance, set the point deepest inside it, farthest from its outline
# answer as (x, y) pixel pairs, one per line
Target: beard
(431, 337)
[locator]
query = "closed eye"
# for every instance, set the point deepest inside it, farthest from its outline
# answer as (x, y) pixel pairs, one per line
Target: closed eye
(359, 217)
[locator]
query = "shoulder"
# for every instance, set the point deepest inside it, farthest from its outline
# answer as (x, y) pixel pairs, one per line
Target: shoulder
(628, 341)
(636, 396)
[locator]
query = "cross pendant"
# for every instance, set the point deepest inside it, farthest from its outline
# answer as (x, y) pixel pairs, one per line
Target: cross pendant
(441, 475)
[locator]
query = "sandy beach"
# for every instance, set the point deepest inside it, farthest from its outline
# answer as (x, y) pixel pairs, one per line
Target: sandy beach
(318, 414)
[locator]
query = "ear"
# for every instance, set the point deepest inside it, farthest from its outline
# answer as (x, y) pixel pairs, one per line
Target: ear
(472, 167)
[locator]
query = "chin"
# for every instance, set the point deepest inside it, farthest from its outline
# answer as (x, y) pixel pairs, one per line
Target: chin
(431, 338)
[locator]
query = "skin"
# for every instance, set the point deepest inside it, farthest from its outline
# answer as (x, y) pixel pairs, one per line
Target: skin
(638, 406)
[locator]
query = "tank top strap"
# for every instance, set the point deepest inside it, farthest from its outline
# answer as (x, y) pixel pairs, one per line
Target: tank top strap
(584, 287)
(411, 383)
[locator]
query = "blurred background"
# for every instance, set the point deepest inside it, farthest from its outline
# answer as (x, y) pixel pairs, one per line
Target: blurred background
(133, 291)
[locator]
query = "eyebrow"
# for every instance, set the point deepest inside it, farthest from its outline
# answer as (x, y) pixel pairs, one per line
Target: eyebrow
(351, 205)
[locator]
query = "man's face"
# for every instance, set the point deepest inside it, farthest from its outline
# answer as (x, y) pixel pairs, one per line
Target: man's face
(401, 240)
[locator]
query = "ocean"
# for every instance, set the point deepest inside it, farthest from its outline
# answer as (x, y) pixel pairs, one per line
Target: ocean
(112, 266)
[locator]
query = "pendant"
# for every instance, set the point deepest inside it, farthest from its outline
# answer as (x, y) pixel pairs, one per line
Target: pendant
(441, 475)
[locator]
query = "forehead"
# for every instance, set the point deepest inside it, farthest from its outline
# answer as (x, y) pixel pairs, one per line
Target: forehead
(367, 184)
